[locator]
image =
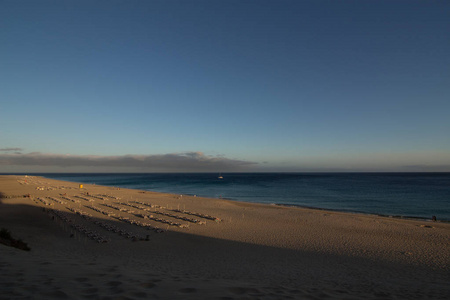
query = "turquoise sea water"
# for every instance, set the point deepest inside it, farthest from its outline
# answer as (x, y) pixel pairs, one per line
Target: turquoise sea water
(420, 195)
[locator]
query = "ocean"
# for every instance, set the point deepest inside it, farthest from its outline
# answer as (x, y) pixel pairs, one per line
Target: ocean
(415, 195)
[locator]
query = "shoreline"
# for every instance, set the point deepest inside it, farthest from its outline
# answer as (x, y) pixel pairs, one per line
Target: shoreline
(255, 251)
(405, 217)
(287, 204)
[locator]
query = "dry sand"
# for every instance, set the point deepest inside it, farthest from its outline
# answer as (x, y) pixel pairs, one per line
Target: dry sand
(254, 252)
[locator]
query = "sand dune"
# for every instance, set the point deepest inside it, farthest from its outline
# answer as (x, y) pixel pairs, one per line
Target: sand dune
(108, 243)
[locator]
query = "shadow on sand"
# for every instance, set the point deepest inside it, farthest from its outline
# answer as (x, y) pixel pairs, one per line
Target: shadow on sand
(287, 273)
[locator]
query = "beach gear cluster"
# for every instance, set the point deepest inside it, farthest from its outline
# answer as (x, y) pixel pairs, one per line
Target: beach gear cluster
(142, 210)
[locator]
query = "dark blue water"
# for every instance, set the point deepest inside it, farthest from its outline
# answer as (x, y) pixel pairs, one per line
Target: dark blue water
(419, 195)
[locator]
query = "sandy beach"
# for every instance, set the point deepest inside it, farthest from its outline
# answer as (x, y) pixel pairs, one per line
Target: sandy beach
(99, 242)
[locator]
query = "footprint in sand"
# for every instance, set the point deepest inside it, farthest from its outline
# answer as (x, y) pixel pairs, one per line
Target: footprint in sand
(112, 269)
(116, 290)
(188, 290)
(90, 291)
(295, 292)
(8, 284)
(242, 290)
(139, 294)
(32, 288)
(148, 285)
(56, 294)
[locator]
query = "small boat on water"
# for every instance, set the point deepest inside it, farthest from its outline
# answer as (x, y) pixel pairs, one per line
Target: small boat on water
(220, 176)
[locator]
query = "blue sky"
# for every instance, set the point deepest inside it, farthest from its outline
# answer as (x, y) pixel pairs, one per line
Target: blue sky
(224, 86)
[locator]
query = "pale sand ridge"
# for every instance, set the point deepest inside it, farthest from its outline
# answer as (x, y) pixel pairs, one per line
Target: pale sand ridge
(91, 243)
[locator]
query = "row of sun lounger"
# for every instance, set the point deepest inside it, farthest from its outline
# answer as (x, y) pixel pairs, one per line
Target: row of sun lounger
(137, 223)
(69, 199)
(102, 211)
(143, 206)
(57, 200)
(84, 198)
(197, 214)
(79, 227)
(150, 217)
(148, 204)
(109, 196)
(96, 197)
(107, 226)
(208, 217)
(127, 220)
(164, 221)
(45, 202)
(166, 214)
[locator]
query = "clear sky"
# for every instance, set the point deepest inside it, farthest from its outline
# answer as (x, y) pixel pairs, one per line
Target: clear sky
(224, 86)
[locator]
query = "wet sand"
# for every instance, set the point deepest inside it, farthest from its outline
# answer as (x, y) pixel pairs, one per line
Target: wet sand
(100, 242)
